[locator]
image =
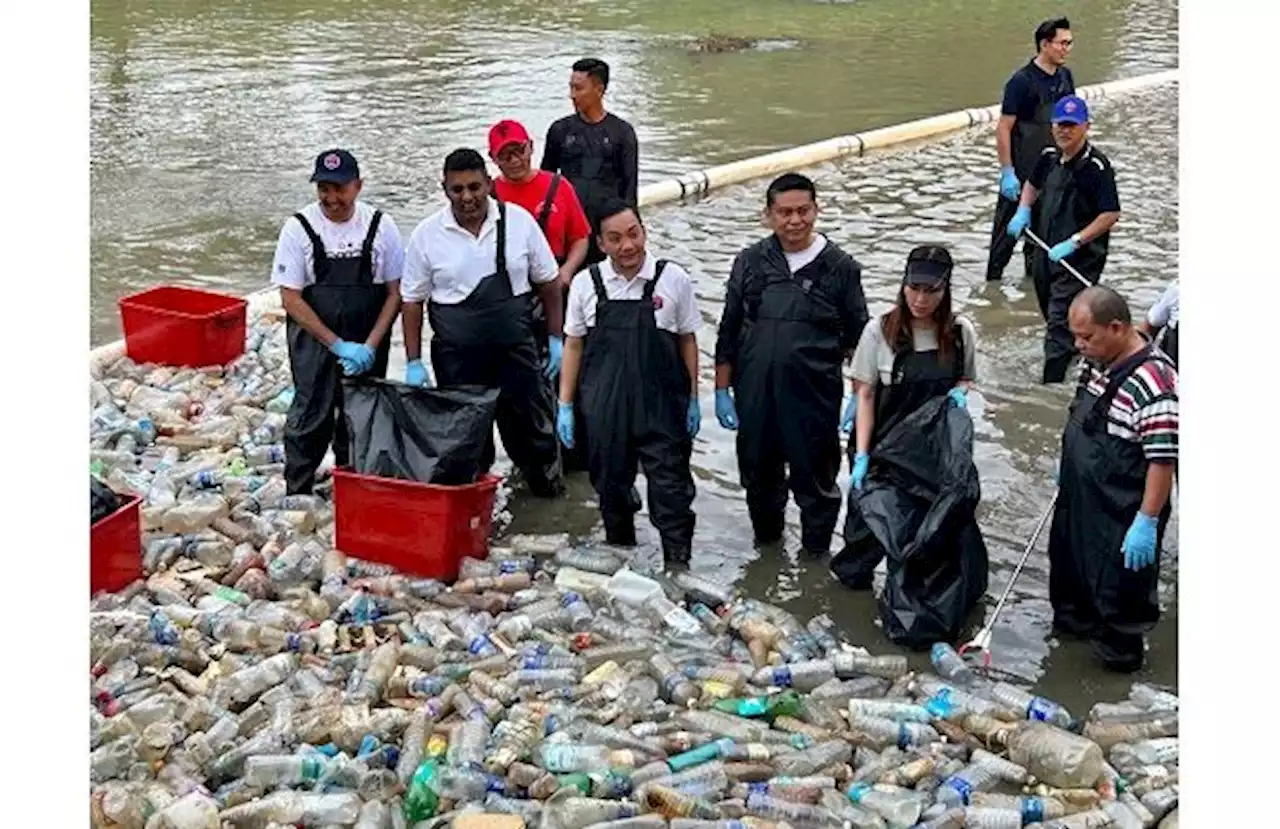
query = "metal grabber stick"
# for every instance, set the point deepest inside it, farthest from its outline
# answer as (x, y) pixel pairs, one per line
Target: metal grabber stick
(1071, 269)
(982, 642)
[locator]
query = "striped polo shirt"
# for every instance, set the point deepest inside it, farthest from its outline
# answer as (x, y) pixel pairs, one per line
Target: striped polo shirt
(1145, 408)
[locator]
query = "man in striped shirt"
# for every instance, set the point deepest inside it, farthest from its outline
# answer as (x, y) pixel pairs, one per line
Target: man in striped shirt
(1119, 450)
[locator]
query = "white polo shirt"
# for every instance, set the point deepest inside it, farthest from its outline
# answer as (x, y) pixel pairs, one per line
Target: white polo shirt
(1165, 311)
(294, 265)
(444, 262)
(674, 307)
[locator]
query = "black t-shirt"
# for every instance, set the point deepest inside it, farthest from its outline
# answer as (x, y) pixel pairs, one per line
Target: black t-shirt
(1095, 180)
(1021, 91)
(601, 159)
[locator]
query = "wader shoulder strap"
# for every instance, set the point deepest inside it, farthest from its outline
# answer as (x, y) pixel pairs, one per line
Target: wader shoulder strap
(501, 242)
(652, 284)
(1119, 374)
(320, 258)
(366, 249)
(957, 334)
(547, 201)
(596, 280)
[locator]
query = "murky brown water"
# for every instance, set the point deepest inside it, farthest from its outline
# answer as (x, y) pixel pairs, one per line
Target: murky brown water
(205, 116)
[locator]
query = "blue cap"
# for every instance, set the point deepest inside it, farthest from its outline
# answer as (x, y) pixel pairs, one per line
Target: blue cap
(1071, 110)
(336, 166)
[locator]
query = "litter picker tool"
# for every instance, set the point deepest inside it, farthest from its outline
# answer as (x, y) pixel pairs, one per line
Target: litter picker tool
(981, 644)
(1071, 269)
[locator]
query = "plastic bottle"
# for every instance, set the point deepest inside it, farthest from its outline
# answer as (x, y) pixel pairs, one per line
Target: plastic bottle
(950, 665)
(1032, 707)
(848, 665)
(957, 790)
(590, 561)
(1055, 756)
(802, 676)
(900, 808)
(889, 710)
(676, 689)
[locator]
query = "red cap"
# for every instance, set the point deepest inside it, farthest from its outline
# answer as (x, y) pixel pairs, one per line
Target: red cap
(506, 132)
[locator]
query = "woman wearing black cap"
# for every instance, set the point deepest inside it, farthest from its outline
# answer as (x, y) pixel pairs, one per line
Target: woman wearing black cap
(915, 353)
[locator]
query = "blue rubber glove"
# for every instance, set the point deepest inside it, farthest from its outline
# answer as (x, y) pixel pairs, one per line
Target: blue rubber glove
(555, 356)
(344, 350)
(1019, 222)
(564, 423)
(850, 412)
(726, 412)
(860, 461)
(1139, 546)
(415, 374)
(959, 397)
(693, 419)
(1010, 187)
(1062, 250)
(349, 367)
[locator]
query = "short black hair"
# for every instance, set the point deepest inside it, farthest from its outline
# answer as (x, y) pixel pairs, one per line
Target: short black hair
(1048, 30)
(786, 183)
(462, 160)
(1105, 305)
(593, 68)
(610, 208)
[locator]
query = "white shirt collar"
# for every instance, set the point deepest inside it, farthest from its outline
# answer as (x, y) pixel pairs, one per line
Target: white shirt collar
(646, 272)
(450, 221)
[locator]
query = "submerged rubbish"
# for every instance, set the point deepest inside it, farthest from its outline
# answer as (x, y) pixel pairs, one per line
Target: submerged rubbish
(259, 678)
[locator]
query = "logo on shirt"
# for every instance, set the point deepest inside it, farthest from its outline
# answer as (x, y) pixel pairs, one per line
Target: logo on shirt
(281, 268)
(657, 302)
(332, 161)
(540, 206)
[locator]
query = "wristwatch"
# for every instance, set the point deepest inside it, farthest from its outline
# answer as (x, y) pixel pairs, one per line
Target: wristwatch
(1075, 237)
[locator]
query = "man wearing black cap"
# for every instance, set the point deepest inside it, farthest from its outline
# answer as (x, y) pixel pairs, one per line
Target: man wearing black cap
(337, 264)
(1076, 190)
(793, 311)
(1022, 132)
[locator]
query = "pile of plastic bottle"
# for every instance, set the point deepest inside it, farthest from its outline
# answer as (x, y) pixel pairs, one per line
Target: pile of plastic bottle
(259, 678)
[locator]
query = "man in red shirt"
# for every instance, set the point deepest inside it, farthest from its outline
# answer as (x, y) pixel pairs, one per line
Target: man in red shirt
(563, 221)
(552, 201)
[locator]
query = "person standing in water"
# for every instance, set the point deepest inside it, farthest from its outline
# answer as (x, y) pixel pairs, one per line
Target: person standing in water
(595, 149)
(793, 310)
(1023, 132)
(916, 351)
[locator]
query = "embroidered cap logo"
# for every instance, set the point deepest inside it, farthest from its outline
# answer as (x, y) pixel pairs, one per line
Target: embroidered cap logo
(332, 161)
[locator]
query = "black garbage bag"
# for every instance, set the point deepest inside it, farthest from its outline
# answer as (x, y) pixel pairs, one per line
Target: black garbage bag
(917, 506)
(103, 500)
(432, 436)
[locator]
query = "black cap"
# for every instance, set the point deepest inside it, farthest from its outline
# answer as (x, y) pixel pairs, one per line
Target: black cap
(336, 167)
(928, 265)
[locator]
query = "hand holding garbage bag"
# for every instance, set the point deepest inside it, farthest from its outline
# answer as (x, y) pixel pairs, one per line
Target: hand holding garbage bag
(859, 474)
(726, 412)
(1139, 546)
(959, 397)
(415, 374)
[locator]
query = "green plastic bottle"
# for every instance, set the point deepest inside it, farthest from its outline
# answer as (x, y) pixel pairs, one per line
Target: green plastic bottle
(786, 703)
(421, 801)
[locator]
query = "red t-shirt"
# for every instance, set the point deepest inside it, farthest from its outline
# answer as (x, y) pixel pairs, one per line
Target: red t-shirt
(567, 222)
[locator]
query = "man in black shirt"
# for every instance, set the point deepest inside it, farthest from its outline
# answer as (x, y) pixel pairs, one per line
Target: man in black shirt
(1023, 132)
(1075, 188)
(596, 150)
(793, 311)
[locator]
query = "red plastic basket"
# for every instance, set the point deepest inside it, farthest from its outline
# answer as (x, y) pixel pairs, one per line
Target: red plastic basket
(183, 327)
(115, 548)
(424, 529)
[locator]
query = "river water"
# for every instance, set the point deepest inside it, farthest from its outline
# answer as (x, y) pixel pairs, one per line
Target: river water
(206, 116)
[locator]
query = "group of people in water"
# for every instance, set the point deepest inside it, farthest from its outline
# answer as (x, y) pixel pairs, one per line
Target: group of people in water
(540, 283)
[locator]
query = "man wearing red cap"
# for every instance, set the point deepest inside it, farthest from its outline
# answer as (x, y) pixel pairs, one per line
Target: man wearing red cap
(551, 199)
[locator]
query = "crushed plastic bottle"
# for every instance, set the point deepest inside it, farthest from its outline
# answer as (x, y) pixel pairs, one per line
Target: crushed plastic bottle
(257, 677)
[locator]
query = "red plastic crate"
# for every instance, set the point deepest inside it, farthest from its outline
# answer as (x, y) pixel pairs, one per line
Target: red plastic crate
(115, 548)
(424, 529)
(183, 327)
